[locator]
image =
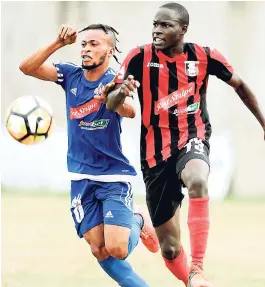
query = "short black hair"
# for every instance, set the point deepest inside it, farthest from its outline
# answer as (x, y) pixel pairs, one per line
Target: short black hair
(106, 29)
(180, 10)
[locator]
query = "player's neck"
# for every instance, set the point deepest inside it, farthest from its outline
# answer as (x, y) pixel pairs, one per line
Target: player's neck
(174, 50)
(95, 74)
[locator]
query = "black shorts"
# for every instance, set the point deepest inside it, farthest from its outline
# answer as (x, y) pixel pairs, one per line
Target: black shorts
(163, 182)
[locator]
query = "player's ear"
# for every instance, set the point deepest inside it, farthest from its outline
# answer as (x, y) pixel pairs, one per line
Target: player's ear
(184, 29)
(111, 52)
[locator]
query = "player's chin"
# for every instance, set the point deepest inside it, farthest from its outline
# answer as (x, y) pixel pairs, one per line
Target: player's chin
(87, 63)
(87, 66)
(161, 46)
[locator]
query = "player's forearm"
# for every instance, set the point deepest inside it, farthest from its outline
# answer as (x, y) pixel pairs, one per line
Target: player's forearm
(115, 100)
(34, 61)
(251, 102)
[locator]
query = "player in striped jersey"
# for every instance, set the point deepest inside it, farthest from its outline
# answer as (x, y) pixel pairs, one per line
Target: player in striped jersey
(175, 131)
(101, 195)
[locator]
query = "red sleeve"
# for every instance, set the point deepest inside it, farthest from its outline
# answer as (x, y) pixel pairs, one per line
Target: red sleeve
(219, 66)
(129, 66)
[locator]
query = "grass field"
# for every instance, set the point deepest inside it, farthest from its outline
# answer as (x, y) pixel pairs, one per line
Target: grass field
(40, 247)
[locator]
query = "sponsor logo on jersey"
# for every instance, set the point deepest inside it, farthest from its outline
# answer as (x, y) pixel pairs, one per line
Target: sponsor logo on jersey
(98, 90)
(95, 125)
(174, 98)
(192, 68)
(155, 65)
(84, 110)
(191, 109)
(74, 91)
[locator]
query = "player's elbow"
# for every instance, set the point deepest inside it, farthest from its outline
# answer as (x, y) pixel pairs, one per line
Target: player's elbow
(25, 69)
(236, 81)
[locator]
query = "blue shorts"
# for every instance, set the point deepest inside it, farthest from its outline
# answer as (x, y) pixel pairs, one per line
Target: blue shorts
(96, 202)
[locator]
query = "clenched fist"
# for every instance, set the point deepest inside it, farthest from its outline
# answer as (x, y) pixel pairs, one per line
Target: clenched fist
(128, 86)
(67, 35)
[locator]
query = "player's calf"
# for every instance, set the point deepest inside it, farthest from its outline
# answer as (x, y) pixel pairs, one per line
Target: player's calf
(172, 251)
(195, 176)
(170, 246)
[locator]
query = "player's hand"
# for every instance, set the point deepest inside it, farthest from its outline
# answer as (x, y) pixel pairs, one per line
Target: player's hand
(103, 97)
(67, 35)
(129, 86)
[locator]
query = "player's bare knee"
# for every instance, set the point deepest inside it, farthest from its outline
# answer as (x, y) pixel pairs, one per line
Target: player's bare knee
(197, 186)
(100, 252)
(170, 248)
(119, 251)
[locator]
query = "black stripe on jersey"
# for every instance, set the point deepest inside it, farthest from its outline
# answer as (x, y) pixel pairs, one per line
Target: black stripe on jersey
(203, 108)
(173, 120)
(140, 61)
(154, 119)
(190, 49)
(203, 104)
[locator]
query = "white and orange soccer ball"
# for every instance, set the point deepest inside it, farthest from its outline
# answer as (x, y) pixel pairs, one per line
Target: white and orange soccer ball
(29, 120)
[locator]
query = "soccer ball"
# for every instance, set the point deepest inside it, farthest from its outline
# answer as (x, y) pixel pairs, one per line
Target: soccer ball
(29, 120)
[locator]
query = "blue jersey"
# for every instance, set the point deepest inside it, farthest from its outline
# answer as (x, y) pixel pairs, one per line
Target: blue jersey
(94, 144)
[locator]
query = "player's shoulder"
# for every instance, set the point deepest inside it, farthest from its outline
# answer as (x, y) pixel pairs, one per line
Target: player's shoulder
(109, 75)
(68, 66)
(195, 47)
(137, 51)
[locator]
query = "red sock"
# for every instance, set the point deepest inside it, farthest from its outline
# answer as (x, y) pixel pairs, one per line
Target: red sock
(198, 222)
(179, 266)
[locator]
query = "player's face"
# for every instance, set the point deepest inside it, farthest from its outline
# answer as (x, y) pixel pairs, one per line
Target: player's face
(167, 31)
(97, 48)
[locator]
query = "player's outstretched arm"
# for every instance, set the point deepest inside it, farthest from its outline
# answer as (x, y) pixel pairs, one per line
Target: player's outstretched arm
(248, 98)
(35, 65)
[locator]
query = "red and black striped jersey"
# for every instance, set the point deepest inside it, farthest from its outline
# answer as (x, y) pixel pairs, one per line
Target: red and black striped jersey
(172, 96)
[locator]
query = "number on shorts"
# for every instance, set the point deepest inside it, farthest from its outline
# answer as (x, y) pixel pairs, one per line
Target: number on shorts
(78, 208)
(79, 213)
(197, 144)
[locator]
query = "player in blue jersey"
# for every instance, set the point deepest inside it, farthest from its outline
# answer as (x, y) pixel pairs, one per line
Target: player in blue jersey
(101, 195)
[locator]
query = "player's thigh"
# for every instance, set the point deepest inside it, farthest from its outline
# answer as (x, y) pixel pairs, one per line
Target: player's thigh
(193, 164)
(85, 208)
(163, 191)
(117, 199)
(95, 238)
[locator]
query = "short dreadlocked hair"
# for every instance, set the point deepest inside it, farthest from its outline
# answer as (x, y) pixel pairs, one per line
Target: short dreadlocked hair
(106, 29)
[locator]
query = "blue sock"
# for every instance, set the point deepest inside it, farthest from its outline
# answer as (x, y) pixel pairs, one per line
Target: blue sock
(120, 270)
(137, 224)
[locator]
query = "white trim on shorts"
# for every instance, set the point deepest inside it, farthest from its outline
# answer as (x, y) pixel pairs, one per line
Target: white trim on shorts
(104, 178)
